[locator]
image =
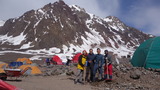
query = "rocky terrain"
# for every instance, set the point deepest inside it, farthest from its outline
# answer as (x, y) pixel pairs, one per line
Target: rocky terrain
(125, 76)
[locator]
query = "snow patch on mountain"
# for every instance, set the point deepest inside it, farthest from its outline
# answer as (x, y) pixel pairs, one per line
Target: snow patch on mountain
(48, 52)
(94, 36)
(26, 46)
(114, 23)
(107, 20)
(76, 8)
(122, 51)
(2, 22)
(12, 40)
(41, 11)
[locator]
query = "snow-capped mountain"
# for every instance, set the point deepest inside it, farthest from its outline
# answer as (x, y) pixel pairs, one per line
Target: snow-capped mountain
(69, 28)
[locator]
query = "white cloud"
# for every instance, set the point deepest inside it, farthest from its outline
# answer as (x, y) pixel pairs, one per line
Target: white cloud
(15, 8)
(100, 8)
(145, 16)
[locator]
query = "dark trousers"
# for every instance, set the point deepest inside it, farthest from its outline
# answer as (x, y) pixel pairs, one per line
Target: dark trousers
(89, 73)
(48, 63)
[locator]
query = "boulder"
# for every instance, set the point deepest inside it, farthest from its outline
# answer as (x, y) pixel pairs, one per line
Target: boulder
(135, 74)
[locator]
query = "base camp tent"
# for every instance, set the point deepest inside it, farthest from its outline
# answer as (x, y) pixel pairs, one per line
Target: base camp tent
(64, 57)
(3, 65)
(24, 60)
(57, 59)
(2, 70)
(34, 69)
(75, 58)
(147, 55)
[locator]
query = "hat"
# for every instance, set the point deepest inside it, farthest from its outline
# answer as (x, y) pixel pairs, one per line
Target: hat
(105, 51)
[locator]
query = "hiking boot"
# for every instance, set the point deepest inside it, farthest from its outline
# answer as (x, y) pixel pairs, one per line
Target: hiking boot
(75, 82)
(108, 80)
(81, 83)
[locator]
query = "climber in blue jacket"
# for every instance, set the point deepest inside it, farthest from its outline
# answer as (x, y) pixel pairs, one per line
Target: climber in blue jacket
(98, 65)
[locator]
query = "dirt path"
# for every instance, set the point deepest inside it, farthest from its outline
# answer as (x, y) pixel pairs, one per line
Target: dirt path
(48, 83)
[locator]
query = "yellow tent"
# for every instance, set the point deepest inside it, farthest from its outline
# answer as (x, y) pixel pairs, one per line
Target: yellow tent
(2, 70)
(34, 69)
(2, 65)
(26, 60)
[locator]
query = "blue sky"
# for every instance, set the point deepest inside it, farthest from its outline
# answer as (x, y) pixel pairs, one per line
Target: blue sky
(141, 14)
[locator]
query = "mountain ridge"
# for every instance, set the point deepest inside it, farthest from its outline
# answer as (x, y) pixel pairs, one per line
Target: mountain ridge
(69, 28)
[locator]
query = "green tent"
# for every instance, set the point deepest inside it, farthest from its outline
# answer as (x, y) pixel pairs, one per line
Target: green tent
(147, 55)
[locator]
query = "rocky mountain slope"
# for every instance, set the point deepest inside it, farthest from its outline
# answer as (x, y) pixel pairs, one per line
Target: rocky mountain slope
(69, 28)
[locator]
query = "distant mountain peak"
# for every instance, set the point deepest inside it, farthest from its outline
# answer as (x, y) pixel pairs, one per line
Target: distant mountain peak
(77, 8)
(69, 28)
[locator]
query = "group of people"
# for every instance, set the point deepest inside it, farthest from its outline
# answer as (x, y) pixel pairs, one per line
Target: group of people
(91, 65)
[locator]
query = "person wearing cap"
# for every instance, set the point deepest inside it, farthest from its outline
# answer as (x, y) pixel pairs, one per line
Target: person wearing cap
(90, 65)
(108, 66)
(81, 67)
(98, 63)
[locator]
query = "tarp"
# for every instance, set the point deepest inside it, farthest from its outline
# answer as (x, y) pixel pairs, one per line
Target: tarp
(24, 60)
(15, 64)
(75, 58)
(6, 86)
(34, 69)
(147, 55)
(57, 59)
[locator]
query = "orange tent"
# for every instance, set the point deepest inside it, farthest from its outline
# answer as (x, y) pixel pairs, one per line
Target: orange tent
(34, 69)
(3, 65)
(2, 70)
(26, 60)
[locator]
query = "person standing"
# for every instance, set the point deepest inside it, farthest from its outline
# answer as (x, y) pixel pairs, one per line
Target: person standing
(90, 66)
(80, 67)
(68, 61)
(47, 61)
(98, 63)
(108, 66)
